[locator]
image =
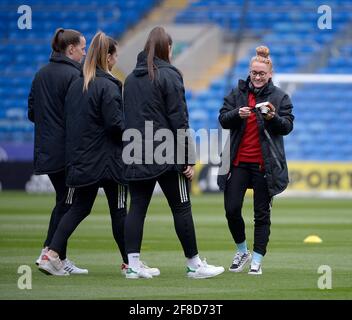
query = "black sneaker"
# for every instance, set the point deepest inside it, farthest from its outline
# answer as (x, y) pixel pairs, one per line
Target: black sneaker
(239, 261)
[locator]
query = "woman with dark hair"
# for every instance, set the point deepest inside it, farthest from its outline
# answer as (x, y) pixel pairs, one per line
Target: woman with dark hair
(154, 99)
(94, 126)
(46, 110)
(258, 115)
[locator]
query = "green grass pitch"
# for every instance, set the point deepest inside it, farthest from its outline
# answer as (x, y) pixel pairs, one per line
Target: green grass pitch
(290, 269)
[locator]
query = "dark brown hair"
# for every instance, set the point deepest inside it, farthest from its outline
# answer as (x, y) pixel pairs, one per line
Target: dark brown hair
(97, 56)
(63, 38)
(157, 45)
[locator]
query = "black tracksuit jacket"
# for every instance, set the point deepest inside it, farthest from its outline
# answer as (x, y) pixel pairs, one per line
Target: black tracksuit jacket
(270, 132)
(94, 126)
(46, 109)
(162, 103)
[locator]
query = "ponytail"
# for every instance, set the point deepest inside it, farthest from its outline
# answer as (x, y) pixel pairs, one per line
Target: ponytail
(157, 45)
(63, 38)
(150, 62)
(97, 56)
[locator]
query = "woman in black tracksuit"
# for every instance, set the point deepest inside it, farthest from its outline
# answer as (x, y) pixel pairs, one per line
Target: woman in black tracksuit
(94, 126)
(154, 99)
(256, 155)
(46, 110)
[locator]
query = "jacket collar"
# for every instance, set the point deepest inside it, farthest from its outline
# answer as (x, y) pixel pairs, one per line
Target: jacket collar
(101, 73)
(142, 65)
(268, 88)
(61, 58)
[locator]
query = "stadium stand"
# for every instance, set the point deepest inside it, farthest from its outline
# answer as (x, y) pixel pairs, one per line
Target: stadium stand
(23, 52)
(289, 28)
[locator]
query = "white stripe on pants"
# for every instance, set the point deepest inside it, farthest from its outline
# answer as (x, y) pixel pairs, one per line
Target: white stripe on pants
(121, 196)
(70, 195)
(182, 188)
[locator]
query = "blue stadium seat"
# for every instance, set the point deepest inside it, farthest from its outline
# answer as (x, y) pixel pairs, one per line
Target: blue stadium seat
(23, 52)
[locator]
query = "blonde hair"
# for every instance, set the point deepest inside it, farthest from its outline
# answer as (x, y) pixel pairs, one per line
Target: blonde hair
(262, 55)
(97, 56)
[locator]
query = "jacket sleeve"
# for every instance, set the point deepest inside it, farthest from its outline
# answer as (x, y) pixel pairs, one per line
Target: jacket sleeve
(31, 103)
(282, 123)
(229, 117)
(176, 107)
(112, 111)
(177, 114)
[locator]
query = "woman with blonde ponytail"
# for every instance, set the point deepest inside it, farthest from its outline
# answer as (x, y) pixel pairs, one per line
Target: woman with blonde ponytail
(94, 126)
(258, 115)
(98, 57)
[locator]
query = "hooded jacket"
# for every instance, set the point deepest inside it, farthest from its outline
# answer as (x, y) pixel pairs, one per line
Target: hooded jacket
(46, 109)
(153, 105)
(94, 125)
(271, 132)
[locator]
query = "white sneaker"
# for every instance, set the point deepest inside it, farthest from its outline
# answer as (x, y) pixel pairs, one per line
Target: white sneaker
(44, 251)
(255, 269)
(137, 274)
(53, 266)
(153, 271)
(239, 261)
(70, 267)
(204, 271)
